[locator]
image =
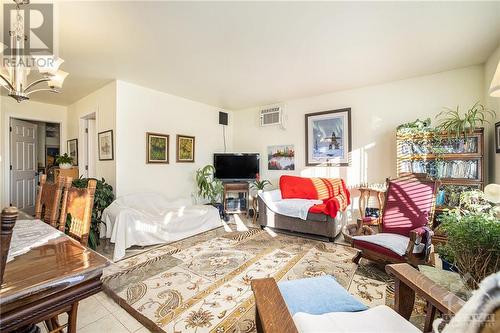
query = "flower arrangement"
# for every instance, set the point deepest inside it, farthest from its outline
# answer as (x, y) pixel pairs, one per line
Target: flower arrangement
(64, 161)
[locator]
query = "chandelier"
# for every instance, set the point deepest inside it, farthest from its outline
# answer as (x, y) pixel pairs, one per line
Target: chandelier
(16, 67)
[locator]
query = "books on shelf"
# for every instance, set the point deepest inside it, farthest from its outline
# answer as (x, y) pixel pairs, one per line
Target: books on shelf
(461, 169)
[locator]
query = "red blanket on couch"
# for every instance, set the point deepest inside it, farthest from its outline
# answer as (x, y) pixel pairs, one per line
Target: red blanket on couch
(332, 191)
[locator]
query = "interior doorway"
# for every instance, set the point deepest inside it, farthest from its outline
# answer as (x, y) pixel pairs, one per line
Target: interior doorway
(33, 148)
(88, 135)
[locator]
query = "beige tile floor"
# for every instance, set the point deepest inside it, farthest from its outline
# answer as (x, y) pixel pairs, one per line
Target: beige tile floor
(99, 313)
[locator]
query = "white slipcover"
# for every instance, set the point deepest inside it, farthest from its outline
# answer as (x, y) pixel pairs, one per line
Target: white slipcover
(298, 208)
(149, 218)
(380, 319)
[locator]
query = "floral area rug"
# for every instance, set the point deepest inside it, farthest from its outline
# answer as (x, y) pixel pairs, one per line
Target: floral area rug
(202, 283)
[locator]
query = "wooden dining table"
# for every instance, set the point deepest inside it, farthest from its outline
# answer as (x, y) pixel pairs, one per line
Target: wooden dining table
(46, 272)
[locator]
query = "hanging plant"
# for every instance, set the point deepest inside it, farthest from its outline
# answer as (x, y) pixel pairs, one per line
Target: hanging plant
(452, 121)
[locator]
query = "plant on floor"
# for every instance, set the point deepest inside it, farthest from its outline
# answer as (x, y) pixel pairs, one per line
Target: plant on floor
(103, 197)
(453, 122)
(473, 244)
(260, 185)
(64, 159)
(209, 187)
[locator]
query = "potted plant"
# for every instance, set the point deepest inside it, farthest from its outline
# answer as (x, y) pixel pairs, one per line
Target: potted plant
(209, 187)
(65, 161)
(260, 185)
(103, 197)
(453, 122)
(473, 238)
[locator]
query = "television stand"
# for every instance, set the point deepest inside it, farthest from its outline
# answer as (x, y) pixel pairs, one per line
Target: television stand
(236, 196)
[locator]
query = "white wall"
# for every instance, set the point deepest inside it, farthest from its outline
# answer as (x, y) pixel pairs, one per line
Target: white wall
(141, 110)
(28, 110)
(493, 103)
(103, 103)
(376, 112)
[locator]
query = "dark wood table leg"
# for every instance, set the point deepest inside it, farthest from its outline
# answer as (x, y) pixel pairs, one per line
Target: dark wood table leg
(429, 317)
(404, 299)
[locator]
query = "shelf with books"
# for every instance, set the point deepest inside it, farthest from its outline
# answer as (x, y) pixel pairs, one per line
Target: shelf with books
(457, 162)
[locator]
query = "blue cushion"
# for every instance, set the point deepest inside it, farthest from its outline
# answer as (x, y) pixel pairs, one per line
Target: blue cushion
(317, 296)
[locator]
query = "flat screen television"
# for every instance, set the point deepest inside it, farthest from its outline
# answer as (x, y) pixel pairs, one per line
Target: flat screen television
(236, 166)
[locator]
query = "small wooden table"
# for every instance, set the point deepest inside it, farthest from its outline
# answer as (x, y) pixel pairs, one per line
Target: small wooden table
(55, 272)
(365, 192)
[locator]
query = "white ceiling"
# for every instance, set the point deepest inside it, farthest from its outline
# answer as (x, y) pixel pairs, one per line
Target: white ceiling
(238, 54)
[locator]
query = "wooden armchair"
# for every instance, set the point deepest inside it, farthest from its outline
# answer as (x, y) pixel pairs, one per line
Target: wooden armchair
(48, 200)
(78, 203)
(272, 315)
(8, 220)
(403, 233)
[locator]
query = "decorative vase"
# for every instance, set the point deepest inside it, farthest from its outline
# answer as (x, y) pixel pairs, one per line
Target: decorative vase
(65, 166)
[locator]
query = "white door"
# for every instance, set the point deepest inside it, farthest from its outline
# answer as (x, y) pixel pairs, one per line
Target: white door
(23, 165)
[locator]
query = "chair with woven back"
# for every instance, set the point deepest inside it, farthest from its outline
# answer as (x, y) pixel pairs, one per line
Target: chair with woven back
(404, 235)
(48, 200)
(77, 204)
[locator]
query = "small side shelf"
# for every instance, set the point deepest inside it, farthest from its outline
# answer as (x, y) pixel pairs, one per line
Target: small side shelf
(236, 197)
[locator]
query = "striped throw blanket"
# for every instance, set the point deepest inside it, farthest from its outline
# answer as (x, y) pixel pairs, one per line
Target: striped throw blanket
(332, 191)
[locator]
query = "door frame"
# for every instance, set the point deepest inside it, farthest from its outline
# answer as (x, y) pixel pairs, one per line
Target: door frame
(82, 159)
(6, 148)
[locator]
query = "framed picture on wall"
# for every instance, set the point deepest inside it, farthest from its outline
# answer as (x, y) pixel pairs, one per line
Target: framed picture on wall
(497, 137)
(281, 157)
(105, 145)
(157, 148)
(328, 137)
(185, 148)
(73, 150)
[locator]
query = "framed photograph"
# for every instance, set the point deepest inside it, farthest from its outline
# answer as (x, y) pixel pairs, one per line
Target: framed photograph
(281, 157)
(105, 143)
(72, 146)
(156, 148)
(185, 148)
(328, 137)
(497, 137)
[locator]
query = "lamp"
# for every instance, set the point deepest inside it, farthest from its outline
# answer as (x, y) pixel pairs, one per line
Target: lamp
(495, 83)
(492, 193)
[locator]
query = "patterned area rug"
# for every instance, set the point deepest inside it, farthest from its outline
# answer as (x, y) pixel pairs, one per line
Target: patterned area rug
(202, 283)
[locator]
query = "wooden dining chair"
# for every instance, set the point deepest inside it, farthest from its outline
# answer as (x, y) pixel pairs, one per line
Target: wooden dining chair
(77, 204)
(48, 200)
(8, 220)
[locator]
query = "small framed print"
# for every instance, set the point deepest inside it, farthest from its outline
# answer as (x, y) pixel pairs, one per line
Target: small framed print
(156, 148)
(497, 137)
(73, 150)
(105, 143)
(185, 149)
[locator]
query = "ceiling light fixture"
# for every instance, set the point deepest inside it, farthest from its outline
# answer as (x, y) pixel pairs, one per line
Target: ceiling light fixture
(16, 67)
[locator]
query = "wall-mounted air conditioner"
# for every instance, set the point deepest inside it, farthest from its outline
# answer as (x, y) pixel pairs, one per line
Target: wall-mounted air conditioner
(272, 116)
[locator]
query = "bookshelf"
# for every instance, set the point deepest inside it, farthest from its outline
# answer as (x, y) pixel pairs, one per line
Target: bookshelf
(457, 162)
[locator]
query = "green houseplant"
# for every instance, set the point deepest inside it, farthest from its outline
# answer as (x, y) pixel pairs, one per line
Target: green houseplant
(209, 187)
(260, 185)
(103, 197)
(473, 233)
(65, 161)
(452, 120)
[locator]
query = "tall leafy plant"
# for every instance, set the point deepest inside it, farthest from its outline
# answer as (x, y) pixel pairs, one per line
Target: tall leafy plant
(103, 197)
(209, 187)
(452, 120)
